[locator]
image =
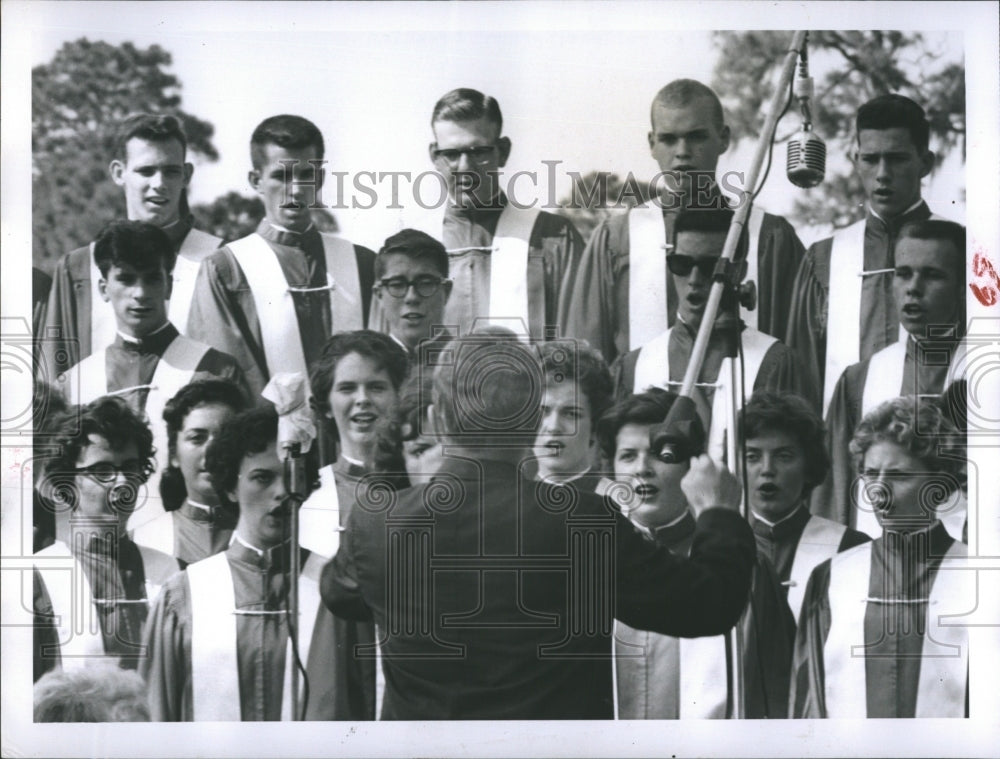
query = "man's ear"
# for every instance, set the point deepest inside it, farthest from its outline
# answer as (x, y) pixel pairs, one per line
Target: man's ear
(431, 147)
(102, 288)
(253, 178)
(503, 148)
(116, 169)
(170, 285)
(188, 173)
(926, 163)
(231, 495)
(724, 136)
(651, 139)
(447, 285)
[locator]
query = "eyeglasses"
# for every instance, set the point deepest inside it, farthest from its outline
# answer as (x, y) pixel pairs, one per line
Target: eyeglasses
(425, 286)
(105, 472)
(682, 265)
(478, 154)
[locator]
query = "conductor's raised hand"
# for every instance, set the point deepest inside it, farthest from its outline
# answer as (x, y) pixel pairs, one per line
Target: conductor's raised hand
(709, 484)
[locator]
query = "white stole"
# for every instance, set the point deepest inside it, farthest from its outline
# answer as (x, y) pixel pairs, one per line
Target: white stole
(647, 282)
(944, 656)
(78, 626)
(215, 675)
(319, 518)
(279, 326)
(819, 541)
(652, 369)
(196, 247)
(508, 264)
(88, 381)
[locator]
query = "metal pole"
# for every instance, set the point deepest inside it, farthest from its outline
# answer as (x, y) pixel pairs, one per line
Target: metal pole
(712, 308)
(739, 220)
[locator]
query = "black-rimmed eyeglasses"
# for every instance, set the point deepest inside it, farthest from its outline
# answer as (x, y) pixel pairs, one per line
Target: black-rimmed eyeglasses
(477, 154)
(425, 286)
(106, 473)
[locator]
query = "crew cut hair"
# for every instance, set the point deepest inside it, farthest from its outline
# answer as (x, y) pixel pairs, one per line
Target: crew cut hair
(896, 111)
(682, 92)
(285, 131)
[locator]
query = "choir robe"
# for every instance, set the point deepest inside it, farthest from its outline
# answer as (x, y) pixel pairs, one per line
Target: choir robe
(878, 319)
(596, 298)
(224, 314)
(260, 584)
(925, 366)
(661, 677)
(779, 369)
(68, 315)
(903, 571)
(41, 284)
(793, 560)
(190, 533)
(554, 249)
(112, 571)
(341, 683)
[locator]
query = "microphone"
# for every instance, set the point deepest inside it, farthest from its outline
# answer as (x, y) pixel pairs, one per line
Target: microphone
(806, 151)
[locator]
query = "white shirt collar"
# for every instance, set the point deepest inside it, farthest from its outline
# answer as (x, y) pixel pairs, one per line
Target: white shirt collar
(139, 340)
(882, 219)
(785, 518)
(565, 480)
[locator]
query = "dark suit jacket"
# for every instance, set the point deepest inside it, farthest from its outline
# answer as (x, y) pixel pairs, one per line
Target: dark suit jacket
(496, 594)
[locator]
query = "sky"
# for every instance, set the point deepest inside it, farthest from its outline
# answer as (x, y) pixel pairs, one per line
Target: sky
(574, 80)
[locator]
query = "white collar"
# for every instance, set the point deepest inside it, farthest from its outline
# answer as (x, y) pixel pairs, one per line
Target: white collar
(140, 340)
(565, 480)
(883, 220)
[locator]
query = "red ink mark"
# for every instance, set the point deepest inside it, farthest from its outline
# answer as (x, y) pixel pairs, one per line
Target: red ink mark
(989, 292)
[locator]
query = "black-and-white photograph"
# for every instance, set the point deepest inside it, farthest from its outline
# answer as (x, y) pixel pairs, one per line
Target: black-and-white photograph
(488, 379)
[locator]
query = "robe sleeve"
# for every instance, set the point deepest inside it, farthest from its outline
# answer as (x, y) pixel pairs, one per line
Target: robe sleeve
(365, 259)
(166, 667)
(807, 697)
(44, 635)
(703, 594)
(223, 315)
(779, 256)
(586, 300)
(781, 371)
(339, 585)
(216, 365)
(832, 499)
(768, 632)
(61, 350)
(806, 333)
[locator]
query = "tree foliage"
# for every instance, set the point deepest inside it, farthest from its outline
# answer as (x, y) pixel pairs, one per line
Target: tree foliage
(77, 101)
(857, 66)
(232, 216)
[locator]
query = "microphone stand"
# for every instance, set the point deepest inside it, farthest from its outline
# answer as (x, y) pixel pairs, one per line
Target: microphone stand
(722, 277)
(297, 488)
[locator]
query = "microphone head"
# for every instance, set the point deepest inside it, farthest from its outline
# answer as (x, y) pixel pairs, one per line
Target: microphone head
(806, 155)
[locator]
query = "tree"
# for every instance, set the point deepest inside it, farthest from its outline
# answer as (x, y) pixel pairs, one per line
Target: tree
(232, 216)
(77, 100)
(857, 66)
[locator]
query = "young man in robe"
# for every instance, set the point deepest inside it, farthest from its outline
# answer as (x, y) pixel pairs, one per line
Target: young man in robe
(217, 641)
(150, 166)
(94, 483)
(621, 297)
(273, 298)
(411, 292)
(149, 361)
(929, 296)
(699, 236)
(664, 677)
(507, 262)
(852, 270)
(785, 459)
(355, 385)
(881, 632)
